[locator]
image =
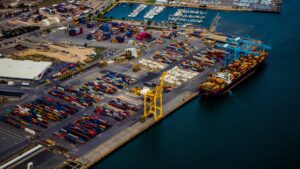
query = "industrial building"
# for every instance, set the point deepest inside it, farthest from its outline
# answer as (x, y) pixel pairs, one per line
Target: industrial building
(161, 1)
(22, 69)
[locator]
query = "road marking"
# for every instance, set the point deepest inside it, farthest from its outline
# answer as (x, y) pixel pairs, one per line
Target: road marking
(8, 133)
(91, 77)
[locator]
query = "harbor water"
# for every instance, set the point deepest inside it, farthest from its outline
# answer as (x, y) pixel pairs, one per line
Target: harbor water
(257, 126)
(165, 15)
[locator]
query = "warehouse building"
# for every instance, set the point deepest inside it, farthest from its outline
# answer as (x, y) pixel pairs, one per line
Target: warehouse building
(23, 69)
(161, 1)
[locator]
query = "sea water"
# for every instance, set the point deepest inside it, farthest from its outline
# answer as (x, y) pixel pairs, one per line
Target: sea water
(257, 126)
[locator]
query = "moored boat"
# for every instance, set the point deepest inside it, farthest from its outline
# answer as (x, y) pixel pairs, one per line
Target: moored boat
(223, 80)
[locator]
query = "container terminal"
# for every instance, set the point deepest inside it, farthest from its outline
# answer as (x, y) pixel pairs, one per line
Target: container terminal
(72, 92)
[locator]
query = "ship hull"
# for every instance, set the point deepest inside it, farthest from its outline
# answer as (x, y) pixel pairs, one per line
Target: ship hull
(234, 83)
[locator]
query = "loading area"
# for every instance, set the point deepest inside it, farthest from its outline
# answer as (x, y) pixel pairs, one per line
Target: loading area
(84, 111)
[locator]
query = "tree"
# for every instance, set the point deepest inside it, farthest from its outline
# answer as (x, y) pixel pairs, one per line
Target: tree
(101, 15)
(90, 16)
(22, 5)
(149, 22)
(2, 6)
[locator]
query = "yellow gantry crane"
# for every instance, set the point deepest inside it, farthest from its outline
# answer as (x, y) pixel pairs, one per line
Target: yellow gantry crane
(153, 101)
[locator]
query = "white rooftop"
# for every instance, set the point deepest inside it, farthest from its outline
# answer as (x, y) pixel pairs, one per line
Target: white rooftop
(161, 1)
(22, 69)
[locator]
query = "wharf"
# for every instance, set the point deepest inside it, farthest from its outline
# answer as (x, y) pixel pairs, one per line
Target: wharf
(93, 152)
(131, 132)
(215, 37)
(172, 102)
(122, 132)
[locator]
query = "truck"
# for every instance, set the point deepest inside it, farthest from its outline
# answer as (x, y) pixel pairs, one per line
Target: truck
(75, 31)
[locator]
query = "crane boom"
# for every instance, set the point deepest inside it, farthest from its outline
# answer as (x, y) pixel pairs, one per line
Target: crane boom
(212, 27)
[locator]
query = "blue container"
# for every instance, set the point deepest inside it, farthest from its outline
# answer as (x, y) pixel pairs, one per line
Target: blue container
(105, 27)
(72, 32)
(62, 10)
(115, 24)
(106, 36)
(120, 39)
(82, 20)
(40, 17)
(122, 28)
(91, 25)
(129, 34)
(173, 34)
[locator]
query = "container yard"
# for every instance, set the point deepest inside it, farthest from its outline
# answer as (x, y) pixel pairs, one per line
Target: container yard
(111, 80)
(83, 129)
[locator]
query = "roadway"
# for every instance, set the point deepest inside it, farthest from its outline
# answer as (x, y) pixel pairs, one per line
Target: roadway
(42, 160)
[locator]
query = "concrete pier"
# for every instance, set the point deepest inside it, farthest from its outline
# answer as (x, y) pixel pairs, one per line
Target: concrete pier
(129, 133)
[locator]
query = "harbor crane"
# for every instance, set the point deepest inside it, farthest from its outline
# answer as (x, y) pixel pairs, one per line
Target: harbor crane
(246, 44)
(213, 25)
(153, 101)
(240, 46)
(232, 52)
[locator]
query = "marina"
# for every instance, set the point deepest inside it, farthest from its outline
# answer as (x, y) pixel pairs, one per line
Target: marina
(267, 6)
(140, 8)
(188, 16)
(161, 14)
(153, 12)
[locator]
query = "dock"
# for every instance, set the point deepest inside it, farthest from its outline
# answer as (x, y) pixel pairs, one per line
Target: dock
(131, 132)
(230, 6)
(80, 112)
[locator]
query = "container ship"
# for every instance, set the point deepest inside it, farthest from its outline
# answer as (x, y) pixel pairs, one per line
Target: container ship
(221, 81)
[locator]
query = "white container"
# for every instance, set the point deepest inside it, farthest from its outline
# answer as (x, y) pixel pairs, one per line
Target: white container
(10, 83)
(25, 84)
(29, 131)
(178, 83)
(110, 62)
